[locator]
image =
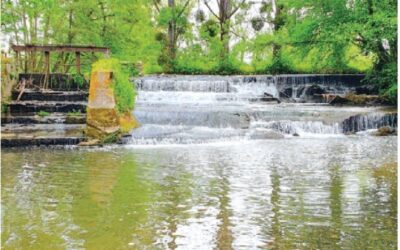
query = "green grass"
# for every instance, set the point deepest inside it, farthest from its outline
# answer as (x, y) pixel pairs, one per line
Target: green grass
(74, 113)
(42, 113)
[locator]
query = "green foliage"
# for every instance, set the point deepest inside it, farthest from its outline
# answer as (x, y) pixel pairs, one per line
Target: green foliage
(4, 108)
(42, 113)
(124, 90)
(79, 79)
(74, 113)
(169, 14)
(209, 29)
(309, 36)
(386, 79)
(110, 138)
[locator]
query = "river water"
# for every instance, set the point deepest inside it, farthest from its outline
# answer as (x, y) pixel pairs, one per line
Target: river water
(212, 167)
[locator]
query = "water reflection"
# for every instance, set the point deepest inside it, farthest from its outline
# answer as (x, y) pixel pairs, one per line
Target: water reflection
(286, 194)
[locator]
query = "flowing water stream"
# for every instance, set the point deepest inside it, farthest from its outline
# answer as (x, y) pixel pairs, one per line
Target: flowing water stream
(212, 167)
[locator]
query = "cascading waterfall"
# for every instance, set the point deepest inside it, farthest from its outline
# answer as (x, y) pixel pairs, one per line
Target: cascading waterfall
(202, 109)
(370, 121)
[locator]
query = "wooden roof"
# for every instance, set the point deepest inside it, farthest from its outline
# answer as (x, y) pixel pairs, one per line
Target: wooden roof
(59, 48)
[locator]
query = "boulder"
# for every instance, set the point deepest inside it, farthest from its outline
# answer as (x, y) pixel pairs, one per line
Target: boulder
(286, 93)
(384, 131)
(267, 94)
(314, 90)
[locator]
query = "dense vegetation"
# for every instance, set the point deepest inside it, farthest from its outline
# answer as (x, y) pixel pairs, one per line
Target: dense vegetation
(220, 36)
(123, 89)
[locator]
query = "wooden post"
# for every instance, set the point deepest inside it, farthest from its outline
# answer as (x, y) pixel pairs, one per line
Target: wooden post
(62, 62)
(47, 68)
(26, 62)
(78, 62)
(17, 62)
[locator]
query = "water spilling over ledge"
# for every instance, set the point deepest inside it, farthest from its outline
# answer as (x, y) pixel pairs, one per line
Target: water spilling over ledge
(200, 109)
(213, 163)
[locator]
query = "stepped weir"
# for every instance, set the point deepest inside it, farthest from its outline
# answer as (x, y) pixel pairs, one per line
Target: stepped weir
(181, 109)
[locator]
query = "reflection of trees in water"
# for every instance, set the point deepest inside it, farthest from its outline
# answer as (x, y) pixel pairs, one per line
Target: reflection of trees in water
(113, 211)
(224, 235)
(276, 229)
(38, 200)
(335, 197)
(378, 219)
(172, 194)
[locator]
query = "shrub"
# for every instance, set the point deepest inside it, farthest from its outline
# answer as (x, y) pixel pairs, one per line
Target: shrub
(386, 79)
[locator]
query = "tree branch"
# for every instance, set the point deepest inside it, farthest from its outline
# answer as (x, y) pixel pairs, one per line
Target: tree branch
(183, 9)
(156, 5)
(208, 6)
(236, 9)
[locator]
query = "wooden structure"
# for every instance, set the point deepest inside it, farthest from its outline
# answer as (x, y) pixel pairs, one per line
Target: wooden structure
(54, 48)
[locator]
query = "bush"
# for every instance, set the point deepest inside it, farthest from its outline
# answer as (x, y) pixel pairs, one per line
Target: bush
(386, 79)
(124, 90)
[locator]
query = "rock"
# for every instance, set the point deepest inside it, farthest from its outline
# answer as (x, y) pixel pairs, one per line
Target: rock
(93, 142)
(75, 119)
(353, 99)
(269, 99)
(296, 134)
(314, 90)
(266, 134)
(286, 93)
(367, 90)
(338, 100)
(384, 131)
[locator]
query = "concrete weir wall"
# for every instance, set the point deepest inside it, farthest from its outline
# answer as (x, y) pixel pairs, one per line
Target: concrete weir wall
(305, 87)
(349, 80)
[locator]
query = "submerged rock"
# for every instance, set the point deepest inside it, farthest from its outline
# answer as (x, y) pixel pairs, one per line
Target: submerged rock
(384, 131)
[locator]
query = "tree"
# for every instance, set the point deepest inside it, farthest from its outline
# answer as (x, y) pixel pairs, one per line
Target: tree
(226, 10)
(173, 17)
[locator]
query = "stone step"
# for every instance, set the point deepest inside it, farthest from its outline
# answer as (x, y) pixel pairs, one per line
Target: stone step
(19, 135)
(32, 107)
(52, 118)
(27, 142)
(59, 96)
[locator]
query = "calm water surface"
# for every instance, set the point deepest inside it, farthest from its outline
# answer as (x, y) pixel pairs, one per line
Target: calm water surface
(294, 193)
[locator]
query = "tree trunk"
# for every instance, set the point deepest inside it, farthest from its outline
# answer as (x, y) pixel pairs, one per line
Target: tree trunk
(225, 7)
(171, 43)
(275, 47)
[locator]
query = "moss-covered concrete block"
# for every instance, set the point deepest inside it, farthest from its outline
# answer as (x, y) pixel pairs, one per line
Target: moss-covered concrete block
(102, 118)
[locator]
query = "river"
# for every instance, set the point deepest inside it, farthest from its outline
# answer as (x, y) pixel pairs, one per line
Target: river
(212, 167)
